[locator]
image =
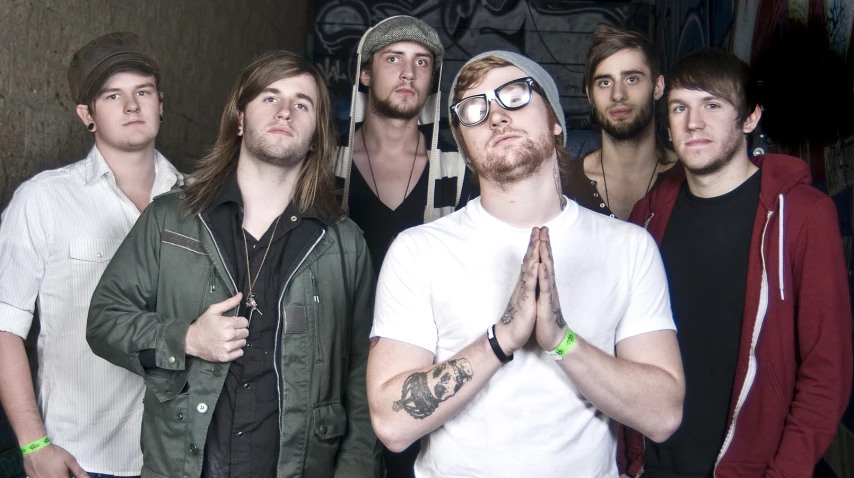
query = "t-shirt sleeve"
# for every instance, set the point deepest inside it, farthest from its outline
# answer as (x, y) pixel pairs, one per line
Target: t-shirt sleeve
(649, 299)
(402, 310)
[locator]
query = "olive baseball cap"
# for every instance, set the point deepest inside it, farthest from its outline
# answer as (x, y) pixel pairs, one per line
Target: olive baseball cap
(104, 56)
(402, 28)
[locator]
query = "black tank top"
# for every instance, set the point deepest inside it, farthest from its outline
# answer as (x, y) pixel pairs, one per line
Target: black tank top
(379, 223)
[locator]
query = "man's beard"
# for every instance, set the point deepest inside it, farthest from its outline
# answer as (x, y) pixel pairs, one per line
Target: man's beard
(522, 161)
(384, 108)
(626, 131)
(282, 155)
(719, 162)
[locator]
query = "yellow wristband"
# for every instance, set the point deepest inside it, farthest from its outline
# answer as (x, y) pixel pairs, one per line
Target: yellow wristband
(35, 446)
(564, 346)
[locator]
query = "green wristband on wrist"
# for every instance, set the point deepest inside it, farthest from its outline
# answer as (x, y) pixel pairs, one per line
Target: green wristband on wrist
(35, 446)
(564, 346)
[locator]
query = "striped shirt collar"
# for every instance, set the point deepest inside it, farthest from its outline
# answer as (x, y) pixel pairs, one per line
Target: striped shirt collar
(165, 174)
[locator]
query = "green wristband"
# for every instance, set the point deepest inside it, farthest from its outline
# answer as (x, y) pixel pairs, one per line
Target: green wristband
(564, 346)
(35, 446)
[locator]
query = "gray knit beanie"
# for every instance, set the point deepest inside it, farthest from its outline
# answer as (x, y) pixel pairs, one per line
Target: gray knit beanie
(532, 69)
(402, 28)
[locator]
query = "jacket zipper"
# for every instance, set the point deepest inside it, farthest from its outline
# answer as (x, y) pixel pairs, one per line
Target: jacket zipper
(279, 323)
(751, 363)
(224, 266)
(314, 285)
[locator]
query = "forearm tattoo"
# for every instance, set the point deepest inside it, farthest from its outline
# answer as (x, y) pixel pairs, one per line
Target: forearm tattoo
(423, 391)
(559, 318)
(509, 312)
(553, 295)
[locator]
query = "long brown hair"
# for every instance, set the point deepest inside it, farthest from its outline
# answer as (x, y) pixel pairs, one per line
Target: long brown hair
(315, 187)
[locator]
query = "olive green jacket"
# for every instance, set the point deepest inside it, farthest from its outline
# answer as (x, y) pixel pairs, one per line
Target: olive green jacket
(168, 271)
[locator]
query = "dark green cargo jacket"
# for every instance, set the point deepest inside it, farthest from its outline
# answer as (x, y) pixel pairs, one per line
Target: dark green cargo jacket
(168, 271)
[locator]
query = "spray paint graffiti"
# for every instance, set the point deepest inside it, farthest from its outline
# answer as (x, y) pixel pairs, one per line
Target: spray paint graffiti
(684, 27)
(556, 34)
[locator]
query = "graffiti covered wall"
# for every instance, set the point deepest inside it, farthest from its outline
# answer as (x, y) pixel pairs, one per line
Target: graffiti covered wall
(555, 33)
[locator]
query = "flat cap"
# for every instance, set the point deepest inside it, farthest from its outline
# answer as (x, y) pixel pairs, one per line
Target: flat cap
(104, 56)
(402, 28)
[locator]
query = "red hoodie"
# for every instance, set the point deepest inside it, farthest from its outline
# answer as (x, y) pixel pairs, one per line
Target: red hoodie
(794, 369)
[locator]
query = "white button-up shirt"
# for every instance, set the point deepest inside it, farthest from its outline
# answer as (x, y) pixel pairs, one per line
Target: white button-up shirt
(57, 236)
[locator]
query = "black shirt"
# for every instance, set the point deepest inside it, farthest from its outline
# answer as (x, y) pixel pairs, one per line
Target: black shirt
(705, 251)
(243, 438)
(379, 223)
(581, 189)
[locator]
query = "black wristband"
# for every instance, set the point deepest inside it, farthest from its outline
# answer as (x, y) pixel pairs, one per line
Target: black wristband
(493, 342)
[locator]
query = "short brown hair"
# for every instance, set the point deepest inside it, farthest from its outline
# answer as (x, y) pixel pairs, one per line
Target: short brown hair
(720, 73)
(608, 40)
(472, 75)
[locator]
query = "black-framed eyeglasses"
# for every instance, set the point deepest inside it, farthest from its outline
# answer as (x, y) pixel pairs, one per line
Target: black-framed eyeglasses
(515, 94)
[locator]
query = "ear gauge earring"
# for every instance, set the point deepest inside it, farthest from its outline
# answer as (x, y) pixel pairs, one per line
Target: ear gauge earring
(91, 126)
(161, 118)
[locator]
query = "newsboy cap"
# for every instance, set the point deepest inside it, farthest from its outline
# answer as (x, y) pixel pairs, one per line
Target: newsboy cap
(104, 56)
(402, 28)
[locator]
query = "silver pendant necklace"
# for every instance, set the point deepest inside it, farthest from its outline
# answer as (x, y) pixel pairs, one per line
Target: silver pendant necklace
(605, 180)
(251, 303)
(371, 168)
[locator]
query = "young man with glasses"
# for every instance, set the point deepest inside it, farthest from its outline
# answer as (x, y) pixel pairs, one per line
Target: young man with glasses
(478, 356)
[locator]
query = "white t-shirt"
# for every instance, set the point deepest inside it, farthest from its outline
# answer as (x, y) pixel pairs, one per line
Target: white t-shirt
(444, 283)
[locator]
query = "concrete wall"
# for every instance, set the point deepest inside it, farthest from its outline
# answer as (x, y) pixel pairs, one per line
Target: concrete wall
(201, 46)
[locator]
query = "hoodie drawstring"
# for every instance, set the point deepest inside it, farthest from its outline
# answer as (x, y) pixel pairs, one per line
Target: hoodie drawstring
(780, 256)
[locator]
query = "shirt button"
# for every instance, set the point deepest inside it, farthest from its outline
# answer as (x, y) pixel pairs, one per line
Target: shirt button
(601, 204)
(592, 182)
(202, 408)
(322, 429)
(293, 219)
(596, 195)
(179, 417)
(194, 449)
(246, 386)
(240, 434)
(99, 255)
(171, 359)
(613, 215)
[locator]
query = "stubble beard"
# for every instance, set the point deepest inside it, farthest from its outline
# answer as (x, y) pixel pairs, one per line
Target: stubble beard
(281, 155)
(385, 108)
(626, 131)
(516, 164)
(724, 158)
